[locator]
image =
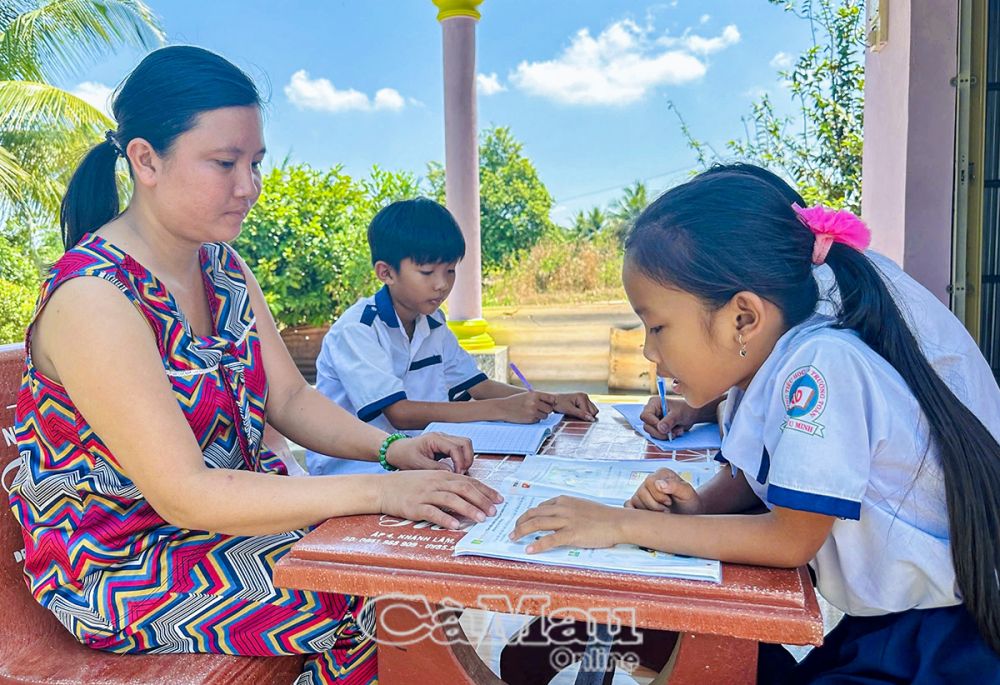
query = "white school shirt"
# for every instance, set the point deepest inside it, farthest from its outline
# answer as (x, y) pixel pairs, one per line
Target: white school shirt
(828, 426)
(943, 339)
(367, 363)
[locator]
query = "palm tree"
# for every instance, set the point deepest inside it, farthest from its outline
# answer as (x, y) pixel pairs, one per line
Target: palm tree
(631, 203)
(44, 129)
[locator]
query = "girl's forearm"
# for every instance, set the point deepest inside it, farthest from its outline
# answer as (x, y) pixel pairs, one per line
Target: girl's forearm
(727, 494)
(782, 537)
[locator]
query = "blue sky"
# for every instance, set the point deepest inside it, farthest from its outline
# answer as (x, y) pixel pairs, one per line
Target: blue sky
(583, 84)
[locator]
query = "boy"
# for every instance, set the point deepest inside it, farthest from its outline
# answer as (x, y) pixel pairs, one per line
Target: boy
(391, 359)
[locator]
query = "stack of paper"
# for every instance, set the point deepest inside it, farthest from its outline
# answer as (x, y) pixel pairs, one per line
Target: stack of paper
(539, 478)
(501, 437)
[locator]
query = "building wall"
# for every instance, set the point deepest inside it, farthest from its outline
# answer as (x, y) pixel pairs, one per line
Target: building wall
(908, 160)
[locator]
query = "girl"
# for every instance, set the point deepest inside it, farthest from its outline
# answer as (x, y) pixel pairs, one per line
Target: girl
(152, 514)
(870, 468)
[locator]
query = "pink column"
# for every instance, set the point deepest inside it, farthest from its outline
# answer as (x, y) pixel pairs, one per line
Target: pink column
(458, 23)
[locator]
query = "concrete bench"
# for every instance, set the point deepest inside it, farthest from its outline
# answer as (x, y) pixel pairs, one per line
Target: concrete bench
(36, 648)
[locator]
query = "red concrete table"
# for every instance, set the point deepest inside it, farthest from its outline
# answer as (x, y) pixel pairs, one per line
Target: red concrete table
(421, 586)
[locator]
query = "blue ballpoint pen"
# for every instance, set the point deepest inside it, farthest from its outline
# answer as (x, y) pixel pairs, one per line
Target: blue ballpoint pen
(662, 387)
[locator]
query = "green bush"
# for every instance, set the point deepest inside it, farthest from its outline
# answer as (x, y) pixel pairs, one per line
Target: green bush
(306, 239)
(17, 304)
(559, 269)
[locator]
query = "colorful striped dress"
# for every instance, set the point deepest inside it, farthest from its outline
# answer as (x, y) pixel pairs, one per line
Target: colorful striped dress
(115, 573)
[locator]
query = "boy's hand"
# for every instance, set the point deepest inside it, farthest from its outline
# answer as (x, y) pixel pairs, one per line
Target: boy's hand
(526, 407)
(664, 490)
(680, 417)
(428, 449)
(576, 405)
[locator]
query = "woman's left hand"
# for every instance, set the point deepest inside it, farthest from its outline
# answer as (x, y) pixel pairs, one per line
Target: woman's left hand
(574, 523)
(431, 451)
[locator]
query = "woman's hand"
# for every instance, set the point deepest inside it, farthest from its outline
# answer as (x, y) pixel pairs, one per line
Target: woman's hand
(574, 522)
(576, 405)
(436, 496)
(664, 490)
(426, 451)
(679, 419)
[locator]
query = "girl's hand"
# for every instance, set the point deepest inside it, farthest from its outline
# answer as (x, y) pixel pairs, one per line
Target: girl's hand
(436, 496)
(527, 407)
(680, 417)
(576, 405)
(427, 450)
(573, 522)
(664, 490)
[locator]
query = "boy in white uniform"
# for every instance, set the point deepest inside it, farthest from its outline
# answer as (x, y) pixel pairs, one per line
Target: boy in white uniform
(390, 358)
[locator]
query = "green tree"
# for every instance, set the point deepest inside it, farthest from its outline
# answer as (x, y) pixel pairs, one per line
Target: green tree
(589, 224)
(43, 128)
(306, 239)
(514, 204)
(820, 150)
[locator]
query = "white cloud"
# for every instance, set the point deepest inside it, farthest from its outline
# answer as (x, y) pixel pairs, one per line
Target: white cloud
(705, 46)
(705, 18)
(96, 94)
(781, 61)
(321, 95)
(489, 84)
(389, 98)
(618, 67)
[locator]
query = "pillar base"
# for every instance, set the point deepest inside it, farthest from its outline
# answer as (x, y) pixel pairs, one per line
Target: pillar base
(472, 335)
(492, 362)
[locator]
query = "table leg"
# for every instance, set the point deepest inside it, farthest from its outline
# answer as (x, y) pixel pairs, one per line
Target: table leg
(424, 643)
(700, 659)
(597, 667)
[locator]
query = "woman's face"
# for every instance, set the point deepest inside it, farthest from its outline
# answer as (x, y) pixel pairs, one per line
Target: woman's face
(209, 179)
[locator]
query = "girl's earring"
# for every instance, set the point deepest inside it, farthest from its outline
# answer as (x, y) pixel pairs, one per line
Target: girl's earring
(743, 347)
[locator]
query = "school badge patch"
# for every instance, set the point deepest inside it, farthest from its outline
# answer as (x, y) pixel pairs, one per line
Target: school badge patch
(804, 394)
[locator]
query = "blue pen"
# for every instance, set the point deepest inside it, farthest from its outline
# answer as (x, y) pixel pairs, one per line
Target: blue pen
(662, 387)
(517, 372)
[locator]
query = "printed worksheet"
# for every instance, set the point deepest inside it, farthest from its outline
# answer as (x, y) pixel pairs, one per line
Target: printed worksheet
(491, 538)
(611, 481)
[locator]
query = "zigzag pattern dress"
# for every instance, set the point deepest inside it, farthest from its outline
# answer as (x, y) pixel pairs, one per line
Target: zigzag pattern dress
(115, 573)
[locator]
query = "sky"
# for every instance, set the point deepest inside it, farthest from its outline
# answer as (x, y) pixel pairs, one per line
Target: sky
(583, 84)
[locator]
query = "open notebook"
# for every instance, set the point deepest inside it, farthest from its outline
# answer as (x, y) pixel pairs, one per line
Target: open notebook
(701, 435)
(500, 437)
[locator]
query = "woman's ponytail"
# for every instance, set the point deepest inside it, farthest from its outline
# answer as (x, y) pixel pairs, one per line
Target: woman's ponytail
(91, 198)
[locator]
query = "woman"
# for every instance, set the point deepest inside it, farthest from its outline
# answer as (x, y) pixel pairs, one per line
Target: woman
(152, 515)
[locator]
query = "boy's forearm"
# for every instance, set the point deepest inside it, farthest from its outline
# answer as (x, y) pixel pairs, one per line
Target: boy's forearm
(413, 415)
(491, 390)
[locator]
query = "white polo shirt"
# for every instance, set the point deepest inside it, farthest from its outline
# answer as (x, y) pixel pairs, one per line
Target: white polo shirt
(828, 426)
(367, 363)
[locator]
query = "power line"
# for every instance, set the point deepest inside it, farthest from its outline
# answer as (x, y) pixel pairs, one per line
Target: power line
(622, 185)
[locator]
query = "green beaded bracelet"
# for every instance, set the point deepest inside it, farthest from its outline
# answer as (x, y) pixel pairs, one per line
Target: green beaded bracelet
(385, 448)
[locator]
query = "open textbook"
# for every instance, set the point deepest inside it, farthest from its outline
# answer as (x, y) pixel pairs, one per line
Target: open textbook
(491, 539)
(611, 481)
(501, 437)
(701, 435)
(539, 478)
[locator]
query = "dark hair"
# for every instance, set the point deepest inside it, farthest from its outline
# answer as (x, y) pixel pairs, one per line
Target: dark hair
(158, 101)
(419, 229)
(676, 241)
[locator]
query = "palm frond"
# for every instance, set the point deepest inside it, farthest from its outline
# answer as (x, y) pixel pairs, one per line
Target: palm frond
(53, 40)
(13, 177)
(34, 105)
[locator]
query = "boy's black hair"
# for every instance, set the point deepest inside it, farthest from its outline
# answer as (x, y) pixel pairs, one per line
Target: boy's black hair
(733, 229)
(418, 229)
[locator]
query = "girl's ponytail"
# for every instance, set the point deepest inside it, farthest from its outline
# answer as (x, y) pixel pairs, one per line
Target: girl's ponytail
(91, 198)
(970, 455)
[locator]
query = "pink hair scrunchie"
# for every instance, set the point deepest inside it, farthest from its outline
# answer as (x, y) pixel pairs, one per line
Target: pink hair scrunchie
(833, 226)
